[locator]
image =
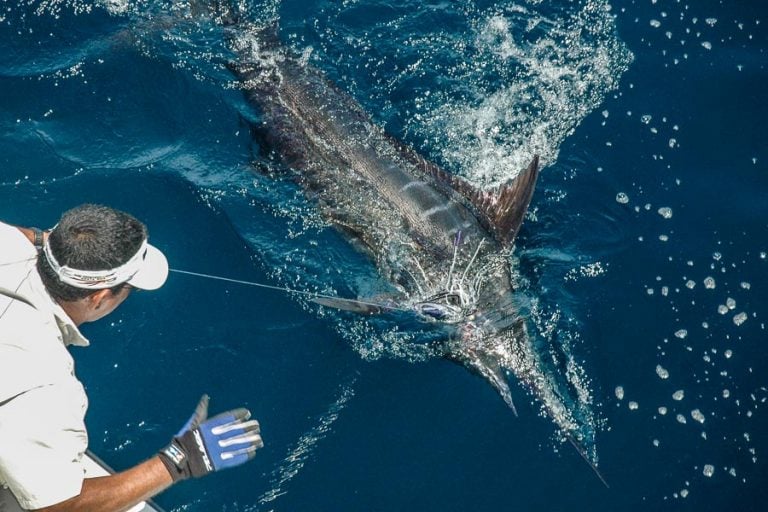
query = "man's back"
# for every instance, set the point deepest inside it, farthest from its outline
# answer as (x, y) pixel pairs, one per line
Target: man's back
(42, 404)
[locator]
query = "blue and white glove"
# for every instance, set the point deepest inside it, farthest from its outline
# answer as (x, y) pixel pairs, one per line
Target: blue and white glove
(205, 445)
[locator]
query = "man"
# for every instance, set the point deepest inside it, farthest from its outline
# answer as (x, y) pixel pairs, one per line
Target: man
(51, 283)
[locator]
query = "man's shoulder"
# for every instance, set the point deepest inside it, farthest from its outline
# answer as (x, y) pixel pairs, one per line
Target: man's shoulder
(22, 318)
(17, 262)
(15, 245)
(31, 352)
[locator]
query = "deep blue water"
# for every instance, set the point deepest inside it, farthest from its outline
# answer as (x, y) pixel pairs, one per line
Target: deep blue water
(662, 102)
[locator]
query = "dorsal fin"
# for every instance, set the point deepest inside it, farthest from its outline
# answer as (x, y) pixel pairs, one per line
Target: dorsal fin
(499, 210)
(504, 207)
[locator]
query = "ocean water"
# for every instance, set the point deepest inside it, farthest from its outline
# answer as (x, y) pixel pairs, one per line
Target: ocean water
(643, 259)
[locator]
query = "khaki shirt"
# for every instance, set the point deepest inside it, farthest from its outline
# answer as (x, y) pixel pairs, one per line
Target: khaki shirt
(42, 404)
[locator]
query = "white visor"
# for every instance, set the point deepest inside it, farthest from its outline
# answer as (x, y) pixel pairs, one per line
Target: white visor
(147, 270)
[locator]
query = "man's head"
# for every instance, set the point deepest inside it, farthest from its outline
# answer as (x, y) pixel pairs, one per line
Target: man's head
(95, 255)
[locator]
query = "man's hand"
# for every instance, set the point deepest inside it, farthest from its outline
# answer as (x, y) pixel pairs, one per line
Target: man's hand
(205, 445)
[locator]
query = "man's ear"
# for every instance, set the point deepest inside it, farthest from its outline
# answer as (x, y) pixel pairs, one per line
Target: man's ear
(96, 298)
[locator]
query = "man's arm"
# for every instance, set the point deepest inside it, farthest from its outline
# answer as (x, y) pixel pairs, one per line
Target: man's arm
(202, 446)
(118, 492)
(32, 235)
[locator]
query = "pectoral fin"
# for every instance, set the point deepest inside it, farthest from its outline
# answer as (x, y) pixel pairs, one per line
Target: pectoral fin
(355, 306)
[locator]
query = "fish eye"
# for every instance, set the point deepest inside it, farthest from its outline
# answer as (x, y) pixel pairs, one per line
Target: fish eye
(433, 311)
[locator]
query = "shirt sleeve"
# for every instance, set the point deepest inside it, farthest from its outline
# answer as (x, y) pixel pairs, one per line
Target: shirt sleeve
(43, 442)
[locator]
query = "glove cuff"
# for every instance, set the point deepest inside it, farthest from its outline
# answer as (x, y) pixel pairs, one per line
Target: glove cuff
(187, 456)
(175, 461)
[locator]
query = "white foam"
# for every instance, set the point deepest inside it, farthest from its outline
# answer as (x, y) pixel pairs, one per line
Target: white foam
(115, 6)
(556, 66)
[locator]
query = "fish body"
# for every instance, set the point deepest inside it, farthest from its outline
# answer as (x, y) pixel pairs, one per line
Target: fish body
(441, 242)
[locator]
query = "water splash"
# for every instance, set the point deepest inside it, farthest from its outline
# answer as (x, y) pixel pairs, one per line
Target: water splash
(299, 453)
(544, 69)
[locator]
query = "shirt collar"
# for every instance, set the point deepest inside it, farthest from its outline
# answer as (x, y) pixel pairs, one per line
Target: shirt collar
(70, 334)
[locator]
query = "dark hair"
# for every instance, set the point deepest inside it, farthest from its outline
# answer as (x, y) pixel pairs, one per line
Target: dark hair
(89, 237)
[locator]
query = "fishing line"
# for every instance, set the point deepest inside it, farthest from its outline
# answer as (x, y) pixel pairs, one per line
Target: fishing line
(311, 295)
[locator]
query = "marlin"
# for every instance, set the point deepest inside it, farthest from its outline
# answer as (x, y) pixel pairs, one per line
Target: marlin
(442, 243)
